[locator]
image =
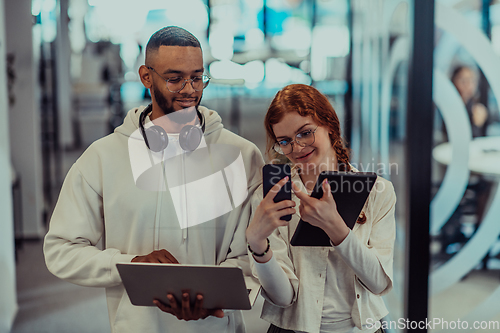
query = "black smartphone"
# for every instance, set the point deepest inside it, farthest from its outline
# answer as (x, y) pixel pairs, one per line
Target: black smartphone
(273, 173)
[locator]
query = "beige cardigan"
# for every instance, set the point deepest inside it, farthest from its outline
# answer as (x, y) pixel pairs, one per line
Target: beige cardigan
(308, 265)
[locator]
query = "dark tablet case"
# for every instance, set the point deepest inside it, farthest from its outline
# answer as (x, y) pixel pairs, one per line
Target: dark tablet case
(350, 191)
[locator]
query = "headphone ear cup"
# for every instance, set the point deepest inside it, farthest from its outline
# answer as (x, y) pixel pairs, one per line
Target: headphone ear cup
(190, 137)
(157, 138)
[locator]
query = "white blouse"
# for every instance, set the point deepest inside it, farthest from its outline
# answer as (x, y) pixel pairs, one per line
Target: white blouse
(340, 286)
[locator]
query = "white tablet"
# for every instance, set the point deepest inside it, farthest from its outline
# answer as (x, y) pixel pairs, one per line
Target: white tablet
(221, 287)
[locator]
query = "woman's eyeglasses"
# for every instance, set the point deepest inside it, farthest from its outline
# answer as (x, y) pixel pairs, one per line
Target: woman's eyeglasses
(303, 139)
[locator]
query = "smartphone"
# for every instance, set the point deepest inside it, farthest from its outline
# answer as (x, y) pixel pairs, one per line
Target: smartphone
(273, 173)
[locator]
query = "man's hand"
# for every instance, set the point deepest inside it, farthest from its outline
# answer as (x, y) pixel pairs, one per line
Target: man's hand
(160, 256)
(186, 311)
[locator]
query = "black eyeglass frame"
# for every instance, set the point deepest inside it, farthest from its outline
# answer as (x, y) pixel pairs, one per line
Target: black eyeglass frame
(185, 80)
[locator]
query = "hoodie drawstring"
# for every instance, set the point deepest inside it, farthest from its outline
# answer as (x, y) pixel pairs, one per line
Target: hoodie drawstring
(159, 198)
(184, 231)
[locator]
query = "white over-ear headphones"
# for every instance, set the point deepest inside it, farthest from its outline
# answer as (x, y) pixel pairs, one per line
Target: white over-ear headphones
(156, 137)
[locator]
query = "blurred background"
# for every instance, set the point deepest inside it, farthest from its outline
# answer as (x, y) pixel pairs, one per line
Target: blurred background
(415, 84)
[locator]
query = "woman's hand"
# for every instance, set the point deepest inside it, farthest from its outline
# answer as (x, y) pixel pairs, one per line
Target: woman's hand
(479, 114)
(267, 218)
(322, 213)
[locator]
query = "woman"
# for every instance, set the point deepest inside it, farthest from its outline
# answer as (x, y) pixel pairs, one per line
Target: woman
(318, 289)
(464, 79)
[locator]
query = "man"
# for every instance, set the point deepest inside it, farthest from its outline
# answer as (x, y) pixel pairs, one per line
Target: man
(139, 201)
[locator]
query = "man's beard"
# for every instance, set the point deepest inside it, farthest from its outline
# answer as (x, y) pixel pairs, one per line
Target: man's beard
(181, 117)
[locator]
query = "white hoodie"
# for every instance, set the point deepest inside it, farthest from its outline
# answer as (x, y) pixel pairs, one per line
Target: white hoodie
(101, 200)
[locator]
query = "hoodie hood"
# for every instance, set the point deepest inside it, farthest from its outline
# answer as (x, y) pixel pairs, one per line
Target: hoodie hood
(213, 121)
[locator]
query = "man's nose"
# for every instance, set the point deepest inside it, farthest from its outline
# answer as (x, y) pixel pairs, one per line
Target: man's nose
(188, 87)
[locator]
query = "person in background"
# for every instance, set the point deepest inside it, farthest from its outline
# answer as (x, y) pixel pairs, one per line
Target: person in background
(103, 198)
(465, 81)
(479, 188)
(318, 289)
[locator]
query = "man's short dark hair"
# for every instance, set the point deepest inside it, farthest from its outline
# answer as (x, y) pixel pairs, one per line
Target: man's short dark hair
(171, 36)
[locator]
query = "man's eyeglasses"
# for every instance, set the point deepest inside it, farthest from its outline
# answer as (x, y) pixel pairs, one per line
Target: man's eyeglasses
(303, 139)
(176, 84)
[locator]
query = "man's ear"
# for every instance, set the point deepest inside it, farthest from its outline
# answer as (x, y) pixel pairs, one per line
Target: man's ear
(145, 76)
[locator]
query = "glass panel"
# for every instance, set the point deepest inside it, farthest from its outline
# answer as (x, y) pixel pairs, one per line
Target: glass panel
(330, 47)
(380, 51)
(466, 203)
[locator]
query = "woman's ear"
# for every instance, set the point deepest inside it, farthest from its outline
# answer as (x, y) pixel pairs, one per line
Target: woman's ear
(145, 76)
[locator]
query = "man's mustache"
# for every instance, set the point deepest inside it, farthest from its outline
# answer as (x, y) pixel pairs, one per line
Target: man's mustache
(183, 116)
